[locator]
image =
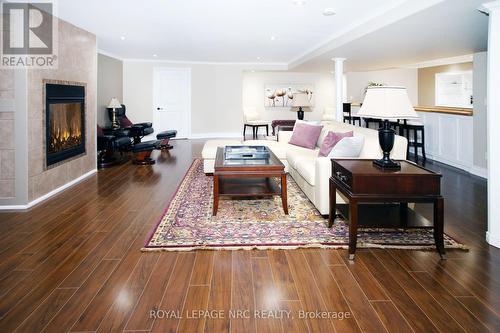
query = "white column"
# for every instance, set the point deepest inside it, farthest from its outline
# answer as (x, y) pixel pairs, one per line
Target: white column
(339, 87)
(493, 108)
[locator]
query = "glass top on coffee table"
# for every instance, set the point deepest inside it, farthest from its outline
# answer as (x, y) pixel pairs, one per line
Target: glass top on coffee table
(245, 156)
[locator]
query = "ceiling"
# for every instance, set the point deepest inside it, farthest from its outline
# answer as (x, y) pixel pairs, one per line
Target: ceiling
(217, 30)
(371, 34)
(447, 29)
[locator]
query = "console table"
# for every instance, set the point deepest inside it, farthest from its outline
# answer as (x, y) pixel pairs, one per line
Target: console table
(361, 182)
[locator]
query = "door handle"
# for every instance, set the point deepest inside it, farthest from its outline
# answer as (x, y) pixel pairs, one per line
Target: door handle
(158, 108)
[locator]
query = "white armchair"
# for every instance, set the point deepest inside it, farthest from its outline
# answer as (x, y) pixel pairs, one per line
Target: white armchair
(251, 118)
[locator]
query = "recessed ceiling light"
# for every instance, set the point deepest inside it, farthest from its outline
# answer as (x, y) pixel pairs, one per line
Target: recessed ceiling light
(273, 37)
(122, 37)
(299, 2)
(258, 58)
(155, 55)
(329, 12)
(253, 70)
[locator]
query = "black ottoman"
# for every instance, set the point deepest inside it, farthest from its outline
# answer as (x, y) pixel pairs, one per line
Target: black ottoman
(142, 152)
(165, 137)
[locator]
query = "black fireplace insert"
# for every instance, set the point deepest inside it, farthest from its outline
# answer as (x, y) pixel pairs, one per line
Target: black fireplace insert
(64, 122)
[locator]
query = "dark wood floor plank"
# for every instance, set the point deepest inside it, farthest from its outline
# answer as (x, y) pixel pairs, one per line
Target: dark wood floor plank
(267, 298)
(282, 275)
(32, 294)
(431, 265)
(35, 246)
(120, 311)
(44, 313)
(202, 272)
(173, 298)
(91, 318)
(71, 311)
(393, 320)
(331, 293)
(293, 322)
(332, 257)
(309, 293)
(242, 295)
(438, 315)
(487, 290)
(365, 279)
(417, 319)
(220, 292)
(194, 312)
(488, 317)
(361, 308)
(258, 254)
(10, 279)
(80, 274)
(449, 302)
(141, 318)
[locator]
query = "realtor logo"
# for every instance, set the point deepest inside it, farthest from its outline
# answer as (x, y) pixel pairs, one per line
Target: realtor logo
(27, 34)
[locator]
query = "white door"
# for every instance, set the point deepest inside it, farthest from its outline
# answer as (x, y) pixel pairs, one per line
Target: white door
(172, 100)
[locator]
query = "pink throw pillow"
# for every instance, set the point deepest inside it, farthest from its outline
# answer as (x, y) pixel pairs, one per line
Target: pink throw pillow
(331, 139)
(305, 135)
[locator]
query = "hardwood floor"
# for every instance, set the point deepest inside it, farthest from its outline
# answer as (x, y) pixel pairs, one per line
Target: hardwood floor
(73, 263)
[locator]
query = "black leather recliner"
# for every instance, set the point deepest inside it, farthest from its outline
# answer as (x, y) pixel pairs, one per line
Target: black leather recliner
(110, 144)
(136, 131)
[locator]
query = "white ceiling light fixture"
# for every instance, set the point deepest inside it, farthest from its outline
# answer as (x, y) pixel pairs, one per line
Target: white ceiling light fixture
(258, 58)
(155, 55)
(299, 2)
(329, 12)
(273, 37)
(123, 37)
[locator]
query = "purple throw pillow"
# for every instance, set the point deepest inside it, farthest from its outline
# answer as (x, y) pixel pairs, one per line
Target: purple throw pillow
(331, 139)
(305, 135)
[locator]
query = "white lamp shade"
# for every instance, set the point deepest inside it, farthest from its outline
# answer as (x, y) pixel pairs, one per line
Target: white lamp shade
(300, 100)
(387, 102)
(114, 103)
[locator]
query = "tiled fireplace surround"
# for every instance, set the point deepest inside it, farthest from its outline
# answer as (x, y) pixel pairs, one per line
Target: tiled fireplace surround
(22, 131)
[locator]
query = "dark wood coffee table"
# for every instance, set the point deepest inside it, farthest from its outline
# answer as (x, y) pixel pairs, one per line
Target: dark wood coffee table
(248, 178)
(361, 182)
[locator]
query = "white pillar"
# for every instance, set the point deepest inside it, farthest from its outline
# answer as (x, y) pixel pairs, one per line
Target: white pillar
(339, 87)
(493, 109)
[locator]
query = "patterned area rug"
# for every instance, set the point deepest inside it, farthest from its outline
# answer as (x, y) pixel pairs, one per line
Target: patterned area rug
(188, 224)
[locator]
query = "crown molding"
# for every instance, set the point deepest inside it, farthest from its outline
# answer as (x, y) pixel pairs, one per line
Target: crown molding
(109, 54)
(490, 7)
(442, 61)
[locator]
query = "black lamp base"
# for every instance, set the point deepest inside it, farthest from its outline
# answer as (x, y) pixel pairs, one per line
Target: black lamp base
(300, 114)
(386, 136)
(388, 165)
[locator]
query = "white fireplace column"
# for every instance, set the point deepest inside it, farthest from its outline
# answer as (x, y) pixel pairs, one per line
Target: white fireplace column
(339, 88)
(493, 108)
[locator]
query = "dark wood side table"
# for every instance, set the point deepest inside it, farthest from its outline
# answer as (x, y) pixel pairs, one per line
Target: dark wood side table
(361, 182)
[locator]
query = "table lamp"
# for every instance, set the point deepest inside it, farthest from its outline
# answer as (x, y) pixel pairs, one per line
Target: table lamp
(114, 104)
(387, 103)
(300, 100)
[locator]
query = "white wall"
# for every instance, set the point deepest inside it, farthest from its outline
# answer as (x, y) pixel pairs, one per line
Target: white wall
(480, 111)
(216, 106)
(255, 82)
(407, 77)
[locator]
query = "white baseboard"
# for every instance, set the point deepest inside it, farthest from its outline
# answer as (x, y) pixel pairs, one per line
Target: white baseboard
(474, 170)
(479, 171)
(215, 135)
(50, 194)
(493, 240)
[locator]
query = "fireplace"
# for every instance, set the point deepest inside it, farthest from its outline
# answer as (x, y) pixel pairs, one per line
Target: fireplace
(64, 122)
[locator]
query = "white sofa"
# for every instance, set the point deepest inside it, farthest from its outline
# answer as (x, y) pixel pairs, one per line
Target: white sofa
(310, 171)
